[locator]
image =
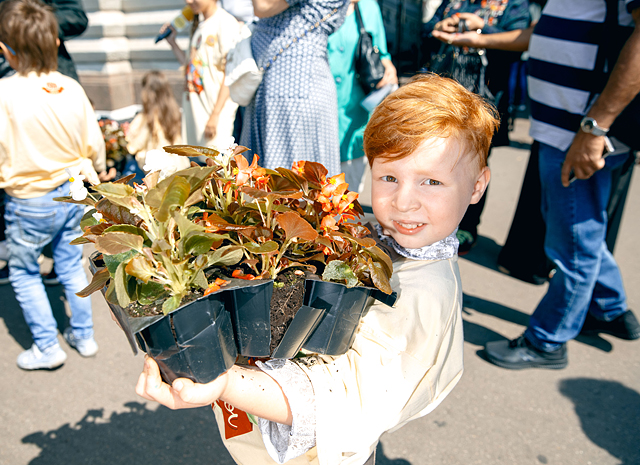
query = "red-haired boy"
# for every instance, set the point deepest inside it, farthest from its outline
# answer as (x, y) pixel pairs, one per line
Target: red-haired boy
(427, 145)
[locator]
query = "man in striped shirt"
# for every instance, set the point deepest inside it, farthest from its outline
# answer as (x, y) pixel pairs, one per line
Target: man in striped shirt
(574, 101)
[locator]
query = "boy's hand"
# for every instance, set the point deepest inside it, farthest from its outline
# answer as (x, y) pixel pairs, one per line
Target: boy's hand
(211, 129)
(183, 394)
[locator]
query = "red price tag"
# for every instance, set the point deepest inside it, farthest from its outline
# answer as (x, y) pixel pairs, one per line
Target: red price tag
(236, 421)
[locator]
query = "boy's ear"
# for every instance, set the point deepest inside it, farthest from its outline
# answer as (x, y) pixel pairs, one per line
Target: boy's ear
(481, 185)
(58, 42)
(12, 60)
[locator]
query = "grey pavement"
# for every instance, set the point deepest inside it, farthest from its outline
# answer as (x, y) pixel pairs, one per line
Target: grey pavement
(88, 413)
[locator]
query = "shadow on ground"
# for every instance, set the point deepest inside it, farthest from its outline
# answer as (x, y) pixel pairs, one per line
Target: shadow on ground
(11, 313)
(142, 436)
(608, 413)
(484, 253)
(479, 335)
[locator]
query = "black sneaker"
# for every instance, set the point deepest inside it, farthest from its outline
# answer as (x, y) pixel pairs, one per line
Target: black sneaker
(626, 326)
(4, 275)
(519, 354)
(467, 241)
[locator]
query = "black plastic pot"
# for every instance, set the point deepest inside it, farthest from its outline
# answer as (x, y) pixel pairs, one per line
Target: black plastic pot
(250, 309)
(343, 307)
(195, 341)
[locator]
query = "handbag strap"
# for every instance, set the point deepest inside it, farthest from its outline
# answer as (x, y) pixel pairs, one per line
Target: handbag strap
(356, 10)
(296, 39)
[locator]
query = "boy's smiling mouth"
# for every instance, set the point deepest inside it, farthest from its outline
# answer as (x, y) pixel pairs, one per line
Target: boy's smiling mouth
(408, 228)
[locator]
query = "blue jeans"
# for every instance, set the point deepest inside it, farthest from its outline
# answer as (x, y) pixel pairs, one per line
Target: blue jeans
(587, 277)
(32, 224)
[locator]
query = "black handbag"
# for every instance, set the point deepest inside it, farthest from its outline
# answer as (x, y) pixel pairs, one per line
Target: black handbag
(368, 66)
(468, 66)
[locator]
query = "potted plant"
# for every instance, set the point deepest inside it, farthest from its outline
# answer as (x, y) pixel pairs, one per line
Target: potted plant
(238, 235)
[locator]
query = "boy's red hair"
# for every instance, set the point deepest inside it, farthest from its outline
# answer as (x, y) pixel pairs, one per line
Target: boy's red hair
(430, 106)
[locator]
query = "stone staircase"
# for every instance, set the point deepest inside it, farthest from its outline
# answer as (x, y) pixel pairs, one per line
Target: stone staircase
(118, 48)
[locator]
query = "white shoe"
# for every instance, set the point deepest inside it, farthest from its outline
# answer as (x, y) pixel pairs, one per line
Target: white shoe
(86, 347)
(33, 359)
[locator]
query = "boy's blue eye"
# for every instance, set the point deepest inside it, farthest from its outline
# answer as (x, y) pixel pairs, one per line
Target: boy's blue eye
(389, 179)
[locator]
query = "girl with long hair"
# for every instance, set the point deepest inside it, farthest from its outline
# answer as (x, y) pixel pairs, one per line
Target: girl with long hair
(158, 124)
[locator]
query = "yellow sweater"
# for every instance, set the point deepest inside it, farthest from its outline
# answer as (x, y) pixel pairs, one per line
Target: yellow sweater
(47, 124)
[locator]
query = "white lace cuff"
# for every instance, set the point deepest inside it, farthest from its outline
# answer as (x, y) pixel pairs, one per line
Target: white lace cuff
(284, 442)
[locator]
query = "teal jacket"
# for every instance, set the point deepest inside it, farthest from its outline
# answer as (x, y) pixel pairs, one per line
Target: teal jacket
(352, 118)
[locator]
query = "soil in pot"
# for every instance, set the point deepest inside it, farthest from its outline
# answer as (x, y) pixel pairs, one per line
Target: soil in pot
(287, 298)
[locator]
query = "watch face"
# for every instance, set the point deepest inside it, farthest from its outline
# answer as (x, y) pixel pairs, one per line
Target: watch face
(587, 125)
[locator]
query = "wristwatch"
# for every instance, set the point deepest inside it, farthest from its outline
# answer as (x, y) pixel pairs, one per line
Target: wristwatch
(590, 126)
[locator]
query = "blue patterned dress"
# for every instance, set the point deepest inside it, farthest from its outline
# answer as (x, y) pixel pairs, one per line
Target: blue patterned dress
(294, 114)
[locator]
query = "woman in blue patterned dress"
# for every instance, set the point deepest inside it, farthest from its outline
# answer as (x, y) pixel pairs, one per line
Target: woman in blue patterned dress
(294, 114)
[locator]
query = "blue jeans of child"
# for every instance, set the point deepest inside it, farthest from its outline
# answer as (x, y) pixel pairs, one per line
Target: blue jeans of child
(587, 277)
(32, 224)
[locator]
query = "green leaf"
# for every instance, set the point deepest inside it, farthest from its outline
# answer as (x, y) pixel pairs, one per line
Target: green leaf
(149, 292)
(127, 228)
(267, 247)
(227, 255)
(171, 304)
(174, 196)
(195, 176)
(199, 243)
(200, 280)
(113, 261)
(79, 241)
(119, 194)
(88, 219)
(110, 294)
(120, 281)
(337, 270)
(113, 243)
(99, 280)
(115, 190)
(69, 199)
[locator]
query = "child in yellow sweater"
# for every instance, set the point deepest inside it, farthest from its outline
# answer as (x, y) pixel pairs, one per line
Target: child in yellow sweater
(427, 146)
(48, 134)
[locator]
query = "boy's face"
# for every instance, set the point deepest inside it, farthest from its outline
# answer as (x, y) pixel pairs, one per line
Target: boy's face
(420, 199)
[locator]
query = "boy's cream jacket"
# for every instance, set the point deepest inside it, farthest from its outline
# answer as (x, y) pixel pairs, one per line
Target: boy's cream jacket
(47, 124)
(404, 361)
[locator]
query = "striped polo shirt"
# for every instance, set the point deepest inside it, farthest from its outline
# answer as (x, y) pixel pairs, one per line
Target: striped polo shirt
(562, 76)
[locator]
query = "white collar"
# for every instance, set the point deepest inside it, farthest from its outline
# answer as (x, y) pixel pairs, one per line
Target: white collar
(441, 250)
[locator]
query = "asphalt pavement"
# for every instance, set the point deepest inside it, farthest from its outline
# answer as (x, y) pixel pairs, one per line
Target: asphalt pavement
(87, 412)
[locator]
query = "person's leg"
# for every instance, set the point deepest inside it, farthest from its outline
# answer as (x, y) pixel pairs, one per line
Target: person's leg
(30, 226)
(68, 266)
(576, 228)
(522, 255)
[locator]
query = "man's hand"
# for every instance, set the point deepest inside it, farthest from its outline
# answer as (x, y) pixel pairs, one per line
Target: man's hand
(584, 157)
(464, 39)
(107, 175)
(390, 74)
(183, 394)
(211, 129)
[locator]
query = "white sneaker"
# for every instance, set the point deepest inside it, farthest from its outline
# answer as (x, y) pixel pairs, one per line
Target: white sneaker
(86, 347)
(33, 359)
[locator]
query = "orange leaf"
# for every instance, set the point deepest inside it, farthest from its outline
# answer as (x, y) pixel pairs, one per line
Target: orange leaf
(296, 227)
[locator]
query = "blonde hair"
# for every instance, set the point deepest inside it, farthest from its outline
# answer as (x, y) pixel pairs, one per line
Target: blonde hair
(430, 106)
(159, 104)
(30, 28)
